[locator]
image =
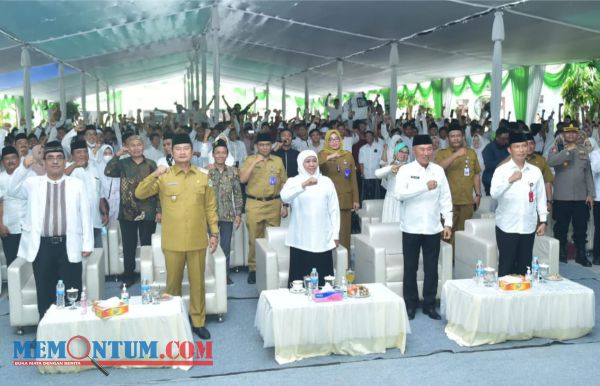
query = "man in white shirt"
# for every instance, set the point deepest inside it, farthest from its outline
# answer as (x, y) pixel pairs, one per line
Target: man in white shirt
(369, 156)
(167, 158)
(12, 209)
(335, 111)
(423, 189)
(316, 142)
(153, 151)
(519, 189)
(595, 165)
(86, 171)
(302, 140)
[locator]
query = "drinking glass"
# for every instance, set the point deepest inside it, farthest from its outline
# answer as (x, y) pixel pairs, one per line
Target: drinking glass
(155, 292)
(72, 297)
(350, 276)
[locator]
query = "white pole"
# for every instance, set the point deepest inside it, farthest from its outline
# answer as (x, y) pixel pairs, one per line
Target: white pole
(267, 94)
(26, 64)
(190, 89)
(203, 53)
(306, 95)
(394, 61)
(98, 101)
(192, 81)
(196, 66)
(283, 107)
(340, 72)
(216, 64)
(497, 38)
(83, 101)
(62, 91)
(107, 100)
(114, 101)
(185, 90)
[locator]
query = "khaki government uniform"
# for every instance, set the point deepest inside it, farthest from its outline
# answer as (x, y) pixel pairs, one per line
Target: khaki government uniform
(542, 164)
(346, 188)
(263, 205)
(461, 186)
(188, 205)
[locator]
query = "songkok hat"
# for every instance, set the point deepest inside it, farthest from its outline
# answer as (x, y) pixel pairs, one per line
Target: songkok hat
(422, 139)
(455, 126)
(263, 137)
(9, 150)
(53, 147)
(514, 137)
(571, 127)
(78, 145)
(179, 139)
(529, 137)
(20, 136)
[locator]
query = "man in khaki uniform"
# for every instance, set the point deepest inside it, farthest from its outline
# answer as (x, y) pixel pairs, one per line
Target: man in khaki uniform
(188, 205)
(539, 161)
(265, 175)
(463, 172)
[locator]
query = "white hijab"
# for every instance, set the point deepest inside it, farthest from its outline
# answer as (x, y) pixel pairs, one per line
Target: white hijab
(302, 173)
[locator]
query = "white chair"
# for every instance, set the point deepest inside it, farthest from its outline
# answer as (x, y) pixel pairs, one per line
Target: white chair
(215, 276)
(487, 208)
(273, 260)
(23, 296)
(380, 259)
(3, 267)
(370, 212)
(115, 250)
(239, 246)
(478, 241)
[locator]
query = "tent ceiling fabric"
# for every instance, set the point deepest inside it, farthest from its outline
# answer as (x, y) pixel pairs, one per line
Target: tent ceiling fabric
(135, 41)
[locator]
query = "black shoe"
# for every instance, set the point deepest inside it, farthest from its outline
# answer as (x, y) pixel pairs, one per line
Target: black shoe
(411, 313)
(229, 281)
(202, 332)
(583, 261)
(252, 277)
(596, 260)
(562, 254)
(432, 313)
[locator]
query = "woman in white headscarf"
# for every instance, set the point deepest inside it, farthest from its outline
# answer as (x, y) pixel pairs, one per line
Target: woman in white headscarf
(109, 186)
(315, 219)
(391, 206)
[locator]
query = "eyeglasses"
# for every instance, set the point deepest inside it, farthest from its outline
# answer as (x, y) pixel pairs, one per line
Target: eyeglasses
(335, 139)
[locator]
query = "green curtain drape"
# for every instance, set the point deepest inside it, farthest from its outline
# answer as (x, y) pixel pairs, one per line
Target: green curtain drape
(519, 77)
(556, 80)
(436, 89)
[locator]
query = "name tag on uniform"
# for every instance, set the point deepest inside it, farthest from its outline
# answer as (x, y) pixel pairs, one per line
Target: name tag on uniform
(347, 173)
(415, 177)
(171, 183)
(467, 171)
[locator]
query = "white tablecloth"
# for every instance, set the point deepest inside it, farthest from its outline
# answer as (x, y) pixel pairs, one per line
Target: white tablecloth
(164, 322)
(478, 315)
(300, 328)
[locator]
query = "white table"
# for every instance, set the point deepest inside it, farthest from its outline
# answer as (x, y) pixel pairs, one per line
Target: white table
(479, 315)
(163, 323)
(300, 328)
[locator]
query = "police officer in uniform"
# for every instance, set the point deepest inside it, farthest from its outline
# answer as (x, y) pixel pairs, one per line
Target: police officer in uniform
(463, 173)
(573, 192)
(188, 205)
(265, 175)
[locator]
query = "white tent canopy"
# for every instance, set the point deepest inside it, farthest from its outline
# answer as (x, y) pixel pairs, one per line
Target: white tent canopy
(129, 42)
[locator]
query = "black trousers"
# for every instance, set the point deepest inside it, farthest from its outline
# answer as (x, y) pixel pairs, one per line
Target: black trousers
(50, 265)
(10, 245)
(129, 235)
(514, 252)
(566, 212)
(596, 229)
(412, 244)
(372, 189)
(302, 262)
(225, 232)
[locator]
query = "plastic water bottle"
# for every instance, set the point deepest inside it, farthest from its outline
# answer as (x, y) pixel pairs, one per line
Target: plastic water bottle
(145, 292)
(479, 272)
(60, 294)
(314, 279)
(528, 275)
(344, 287)
(124, 294)
(83, 302)
(535, 267)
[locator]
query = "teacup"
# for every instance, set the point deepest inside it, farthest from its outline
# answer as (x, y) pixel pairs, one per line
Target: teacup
(329, 279)
(297, 285)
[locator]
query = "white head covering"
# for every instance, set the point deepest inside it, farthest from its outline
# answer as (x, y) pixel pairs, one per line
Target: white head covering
(304, 154)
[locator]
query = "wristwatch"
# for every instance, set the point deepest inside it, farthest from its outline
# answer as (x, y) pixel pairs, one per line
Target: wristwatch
(477, 194)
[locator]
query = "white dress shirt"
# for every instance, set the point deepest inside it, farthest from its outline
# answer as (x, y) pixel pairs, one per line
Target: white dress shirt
(515, 213)
(314, 148)
(93, 189)
(595, 163)
(369, 156)
(301, 144)
(153, 153)
(422, 207)
(14, 207)
(315, 214)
